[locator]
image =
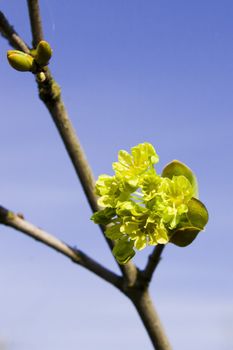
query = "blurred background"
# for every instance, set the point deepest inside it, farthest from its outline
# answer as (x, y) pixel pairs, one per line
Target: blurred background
(131, 71)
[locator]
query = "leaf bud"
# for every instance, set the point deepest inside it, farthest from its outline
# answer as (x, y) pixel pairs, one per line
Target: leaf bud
(20, 61)
(43, 53)
(41, 77)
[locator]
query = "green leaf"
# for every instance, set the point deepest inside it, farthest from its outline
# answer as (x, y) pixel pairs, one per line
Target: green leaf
(197, 213)
(184, 236)
(197, 217)
(104, 216)
(113, 232)
(176, 168)
(123, 251)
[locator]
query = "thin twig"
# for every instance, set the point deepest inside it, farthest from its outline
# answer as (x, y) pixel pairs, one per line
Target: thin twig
(10, 34)
(153, 261)
(35, 20)
(9, 218)
(50, 94)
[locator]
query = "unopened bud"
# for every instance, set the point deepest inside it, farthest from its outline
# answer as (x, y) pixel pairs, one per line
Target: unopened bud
(20, 61)
(43, 53)
(41, 77)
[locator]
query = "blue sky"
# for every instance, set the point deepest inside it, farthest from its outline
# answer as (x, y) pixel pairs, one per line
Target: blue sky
(131, 71)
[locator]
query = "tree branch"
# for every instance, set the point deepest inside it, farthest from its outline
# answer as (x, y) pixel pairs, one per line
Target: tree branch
(9, 218)
(10, 34)
(146, 310)
(35, 20)
(50, 94)
(153, 261)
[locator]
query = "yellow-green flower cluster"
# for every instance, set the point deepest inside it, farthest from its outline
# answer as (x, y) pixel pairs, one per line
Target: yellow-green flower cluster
(142, 208)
